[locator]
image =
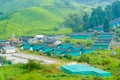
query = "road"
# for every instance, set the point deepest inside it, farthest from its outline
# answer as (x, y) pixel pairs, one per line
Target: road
(23, 58)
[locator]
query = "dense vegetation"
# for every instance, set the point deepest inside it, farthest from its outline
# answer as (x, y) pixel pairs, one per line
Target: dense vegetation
(30, 17)
(34, 70)
(94, 1)
(98, 16)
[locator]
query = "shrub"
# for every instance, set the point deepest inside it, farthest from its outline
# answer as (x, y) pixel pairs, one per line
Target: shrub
(83, 58)
(31, 65)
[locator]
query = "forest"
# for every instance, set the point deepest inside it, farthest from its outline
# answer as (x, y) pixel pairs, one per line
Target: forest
(98, 16)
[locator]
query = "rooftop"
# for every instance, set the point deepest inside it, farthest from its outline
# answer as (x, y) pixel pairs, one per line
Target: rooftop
(84, 69)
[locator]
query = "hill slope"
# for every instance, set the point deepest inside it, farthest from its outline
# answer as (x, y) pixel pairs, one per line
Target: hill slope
(30, 17)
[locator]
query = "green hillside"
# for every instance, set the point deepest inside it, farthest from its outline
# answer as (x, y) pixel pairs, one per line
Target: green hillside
(30, 17)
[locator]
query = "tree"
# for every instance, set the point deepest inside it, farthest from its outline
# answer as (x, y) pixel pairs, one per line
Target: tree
(108, 12)
(116, 9)
(69, 56)
(31, 65)
(106, 25)
(83, 58)
(74, 21)
(86, 21)
(97, 17)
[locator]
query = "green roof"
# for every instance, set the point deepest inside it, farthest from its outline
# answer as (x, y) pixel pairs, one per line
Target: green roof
(84, 69)
(65, 45)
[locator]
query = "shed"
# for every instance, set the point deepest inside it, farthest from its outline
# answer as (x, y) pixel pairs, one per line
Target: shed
(87, 50)
(104, 40)
(81, 36)
(84, 69)
(40, 36)
(74, 52)
(66, 46)
(59, 51)
(26, 46)
(48, 49)
(105, 36)
(37, 47)
(77, 48)
(105, 46)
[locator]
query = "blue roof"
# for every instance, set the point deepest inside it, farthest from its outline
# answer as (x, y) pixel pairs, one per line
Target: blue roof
(85, 69)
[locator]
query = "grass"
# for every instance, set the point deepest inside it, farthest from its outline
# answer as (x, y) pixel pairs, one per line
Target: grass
(102, 59)
(31, 17)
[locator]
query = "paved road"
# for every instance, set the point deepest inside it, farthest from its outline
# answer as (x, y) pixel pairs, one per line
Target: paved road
(23, 58)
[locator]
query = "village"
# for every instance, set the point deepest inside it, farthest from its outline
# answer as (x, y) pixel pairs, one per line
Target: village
(54, 45)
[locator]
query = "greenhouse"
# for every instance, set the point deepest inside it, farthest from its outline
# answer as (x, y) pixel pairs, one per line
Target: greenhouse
(74, 53)
(87, 50)
(60, 51)
(105, 46)
(77, 48)
(26, 46)
(81, 36)
(65, 46)
(37, 47)
(84, 69)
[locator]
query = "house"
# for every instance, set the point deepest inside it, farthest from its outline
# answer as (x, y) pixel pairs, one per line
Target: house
(49, 41)
(40, 37)
(81, 36)
(5, 42)
(57, 42)
(32, 40)
(84, 69)
(25, 38)
(8, 49)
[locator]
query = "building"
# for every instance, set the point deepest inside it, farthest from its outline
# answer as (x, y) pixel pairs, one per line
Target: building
(105, 46)
(60, 51)
(114, 23)
(26, 46)
(87, 50)
(8, 49)
(66, 46)
(74, 52)
(81, 36)
(84, 69)
(25, 38)
(77, 48)
(37, 47)
(39, 37)
(48, 49)
(104, 41)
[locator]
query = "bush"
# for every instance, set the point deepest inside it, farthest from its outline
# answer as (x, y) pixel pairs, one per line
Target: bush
(31, 65)
(69, 56)
(83, 58)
